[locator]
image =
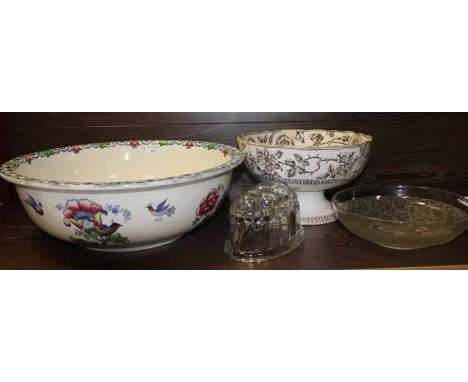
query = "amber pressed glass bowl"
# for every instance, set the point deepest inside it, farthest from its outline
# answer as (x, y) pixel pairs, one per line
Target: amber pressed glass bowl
(402, 217)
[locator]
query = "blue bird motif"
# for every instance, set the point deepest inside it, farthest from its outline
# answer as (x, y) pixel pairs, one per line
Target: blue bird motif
(162, 209)
(36, 206)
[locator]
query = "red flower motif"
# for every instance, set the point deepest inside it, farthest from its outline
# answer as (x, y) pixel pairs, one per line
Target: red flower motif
(28, 159)
(226, 151)
(189, 145)
(79, 209)
(134, 144)
(208, 203)
(77, 212)
(76, 149)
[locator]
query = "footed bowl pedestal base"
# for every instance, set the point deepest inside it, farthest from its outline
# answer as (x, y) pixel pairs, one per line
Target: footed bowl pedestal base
(135, 248)
(315, 208)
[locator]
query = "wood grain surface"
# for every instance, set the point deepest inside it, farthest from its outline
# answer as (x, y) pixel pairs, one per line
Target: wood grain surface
(429, 149)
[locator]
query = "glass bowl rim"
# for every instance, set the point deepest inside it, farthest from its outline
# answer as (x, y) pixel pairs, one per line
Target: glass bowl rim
(458, 197)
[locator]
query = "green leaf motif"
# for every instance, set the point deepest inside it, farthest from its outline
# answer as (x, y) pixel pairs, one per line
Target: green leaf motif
(164, 142)
(48, 153)
(117, 238)
(81, 241)
(33, 180)
(93, 235)
(103, 145)
(94, 239)
(211, 146)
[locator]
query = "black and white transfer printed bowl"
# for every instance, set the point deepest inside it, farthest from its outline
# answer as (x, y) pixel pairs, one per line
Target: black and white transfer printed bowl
(309, 162)
(123, 196)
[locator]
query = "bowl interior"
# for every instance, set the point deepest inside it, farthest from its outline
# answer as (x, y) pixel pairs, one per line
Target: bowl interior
(306, 138)
(121, 162)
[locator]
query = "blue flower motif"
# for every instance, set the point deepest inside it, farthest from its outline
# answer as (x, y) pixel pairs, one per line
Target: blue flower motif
(127, 215)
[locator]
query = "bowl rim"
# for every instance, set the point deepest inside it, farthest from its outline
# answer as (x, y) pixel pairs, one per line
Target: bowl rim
(242, 139)
(399, 186)
(8, 169)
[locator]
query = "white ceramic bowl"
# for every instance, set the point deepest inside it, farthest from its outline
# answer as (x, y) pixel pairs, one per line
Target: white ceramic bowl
(123, 196)
(309, 162)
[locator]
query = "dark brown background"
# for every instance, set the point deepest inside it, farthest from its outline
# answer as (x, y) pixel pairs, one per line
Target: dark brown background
(429, 149)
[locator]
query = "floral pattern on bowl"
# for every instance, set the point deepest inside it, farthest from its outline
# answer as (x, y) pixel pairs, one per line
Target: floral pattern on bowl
(308, 161)
(304, 138)
(86, 217)
(273, 165)
(208, 205)
(161, 187)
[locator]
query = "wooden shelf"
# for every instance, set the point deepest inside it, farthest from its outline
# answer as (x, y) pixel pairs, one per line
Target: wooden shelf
(329, 246)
